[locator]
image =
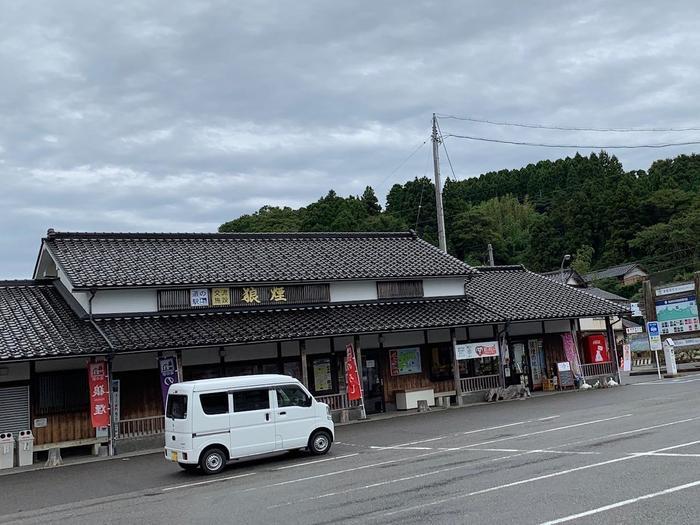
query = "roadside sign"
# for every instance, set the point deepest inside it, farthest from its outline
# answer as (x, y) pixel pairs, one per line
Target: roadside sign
(654, 334)
(634, 330)
(636, 310)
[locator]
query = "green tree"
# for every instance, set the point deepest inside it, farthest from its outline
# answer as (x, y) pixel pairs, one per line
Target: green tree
(369, 199)
(583, 259)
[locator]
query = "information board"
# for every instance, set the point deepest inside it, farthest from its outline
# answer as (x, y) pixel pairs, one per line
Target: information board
(566, 376)
(404, 361)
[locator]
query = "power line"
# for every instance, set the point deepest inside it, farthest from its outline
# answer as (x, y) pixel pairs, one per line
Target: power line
(565, 128)
(404, 161)
(442, 139)
(577, 146)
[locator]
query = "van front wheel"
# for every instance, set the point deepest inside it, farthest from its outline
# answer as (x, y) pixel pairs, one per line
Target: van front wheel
(213, 461)
(320, 442)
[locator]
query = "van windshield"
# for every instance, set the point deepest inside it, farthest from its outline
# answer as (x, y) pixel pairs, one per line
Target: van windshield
(177, 406)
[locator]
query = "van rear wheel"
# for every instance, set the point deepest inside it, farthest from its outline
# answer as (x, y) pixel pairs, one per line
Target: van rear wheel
(320, 442)
(213, 461)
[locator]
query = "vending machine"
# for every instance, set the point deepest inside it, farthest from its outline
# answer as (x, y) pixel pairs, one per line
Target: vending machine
(596, 349)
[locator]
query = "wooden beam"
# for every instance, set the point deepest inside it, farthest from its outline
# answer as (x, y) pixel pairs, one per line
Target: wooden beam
(455, 367)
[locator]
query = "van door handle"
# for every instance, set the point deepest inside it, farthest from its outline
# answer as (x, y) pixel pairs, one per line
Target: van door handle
(267, 417)
(283, 413)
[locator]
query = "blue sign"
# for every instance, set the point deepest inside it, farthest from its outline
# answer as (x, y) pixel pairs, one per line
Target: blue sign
(654, 336)
(653, 328)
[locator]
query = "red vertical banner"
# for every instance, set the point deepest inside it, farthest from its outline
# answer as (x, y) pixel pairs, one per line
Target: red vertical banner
(98, 383)
(352, 378)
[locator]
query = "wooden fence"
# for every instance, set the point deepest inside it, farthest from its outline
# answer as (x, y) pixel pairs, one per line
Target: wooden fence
(140, 427)
(338, 401)
(598, 369)
(476, 384)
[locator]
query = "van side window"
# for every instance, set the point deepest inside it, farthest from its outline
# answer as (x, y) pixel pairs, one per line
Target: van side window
(292, 396)
(247, 400)
(176, 407)
(216, 403)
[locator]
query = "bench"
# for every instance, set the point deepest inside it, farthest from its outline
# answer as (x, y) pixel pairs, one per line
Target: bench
(54, 449)
(442, 399)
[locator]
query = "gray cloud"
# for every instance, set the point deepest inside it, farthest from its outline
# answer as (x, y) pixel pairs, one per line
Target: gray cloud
(154, 116)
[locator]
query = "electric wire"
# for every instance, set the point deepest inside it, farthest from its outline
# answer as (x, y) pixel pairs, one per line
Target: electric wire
(444, 146)
(567, 128)
(574, 146)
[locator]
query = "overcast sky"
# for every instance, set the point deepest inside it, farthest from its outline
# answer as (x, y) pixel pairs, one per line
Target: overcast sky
(178, 116)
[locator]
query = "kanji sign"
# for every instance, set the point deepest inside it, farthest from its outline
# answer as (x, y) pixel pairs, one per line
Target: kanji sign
(352, 378)
(98, 384)
(199, 297)
(168, 374)
(220, 297)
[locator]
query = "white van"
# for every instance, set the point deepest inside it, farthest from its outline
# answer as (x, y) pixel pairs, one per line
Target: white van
(211, 421)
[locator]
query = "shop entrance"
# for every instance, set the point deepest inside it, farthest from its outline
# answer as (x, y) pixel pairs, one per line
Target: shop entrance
(372, 382)
(528, 366)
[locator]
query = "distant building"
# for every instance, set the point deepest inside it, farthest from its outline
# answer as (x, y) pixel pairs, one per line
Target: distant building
(627, 274)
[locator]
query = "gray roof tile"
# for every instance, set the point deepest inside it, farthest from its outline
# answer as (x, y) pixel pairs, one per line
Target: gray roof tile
(519, 294)
(145, 259)
(35, 322)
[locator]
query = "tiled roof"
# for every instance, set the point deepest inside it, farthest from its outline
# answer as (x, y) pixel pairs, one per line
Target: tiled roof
(613, 271)
(604, 294)
(519, 294)
(35, 321)
(565, 276)
(149, 259)
(213, 329)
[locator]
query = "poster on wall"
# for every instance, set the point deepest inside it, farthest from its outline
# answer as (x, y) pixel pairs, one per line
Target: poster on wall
(323, 379)
(98, 376)
(477, 350)
(404, 361)
(676, 316)
(626, 365)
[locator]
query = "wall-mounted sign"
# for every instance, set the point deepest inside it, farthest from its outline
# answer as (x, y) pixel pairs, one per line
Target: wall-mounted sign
(99, 393)
(678, 288)
(676, 316)
(40, 422)
(404, 361)
(636, 310)
(220, 297)
(476, 350)
(169, 374)
(199, 297)
(634, 330)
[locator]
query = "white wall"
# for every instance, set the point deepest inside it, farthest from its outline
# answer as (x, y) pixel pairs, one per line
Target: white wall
(593, 324)
(14, 372)
(81, 297)
(353, 291)
(125, 301)
(443, 287)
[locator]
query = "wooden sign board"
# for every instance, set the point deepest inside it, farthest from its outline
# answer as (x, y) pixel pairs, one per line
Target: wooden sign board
(566, 376)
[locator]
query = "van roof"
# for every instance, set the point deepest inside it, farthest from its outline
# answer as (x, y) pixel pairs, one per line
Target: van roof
(237, 382)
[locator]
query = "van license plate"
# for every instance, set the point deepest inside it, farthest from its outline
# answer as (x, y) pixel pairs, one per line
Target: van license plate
(173, 456)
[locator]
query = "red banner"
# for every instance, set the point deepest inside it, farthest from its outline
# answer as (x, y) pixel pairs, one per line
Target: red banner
(352, 378)
(98, 382)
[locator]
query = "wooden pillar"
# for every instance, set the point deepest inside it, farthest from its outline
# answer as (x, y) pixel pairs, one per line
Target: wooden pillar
(613, 346)
(304, 368)
(649, 306)
(280, 364)
(222, 361)
(455, 367)
(181, 377)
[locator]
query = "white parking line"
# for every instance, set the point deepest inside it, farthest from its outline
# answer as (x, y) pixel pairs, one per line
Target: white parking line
(207, 482)
(317, 461)
(622, 503)
(666, 454)
(530, 480)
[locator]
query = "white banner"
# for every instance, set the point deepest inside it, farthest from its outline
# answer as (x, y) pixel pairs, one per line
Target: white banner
(477, 350)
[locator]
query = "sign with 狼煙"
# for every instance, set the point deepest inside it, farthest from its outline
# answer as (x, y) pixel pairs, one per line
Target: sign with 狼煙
(98, 383)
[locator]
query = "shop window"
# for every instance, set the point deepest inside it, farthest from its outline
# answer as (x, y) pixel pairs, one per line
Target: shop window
(215, 403)
(293, 369)
(61, 392)
(247, 400)
(292, 396)
(441, 363)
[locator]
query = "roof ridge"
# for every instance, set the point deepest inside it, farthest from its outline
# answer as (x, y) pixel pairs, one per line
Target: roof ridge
(24, 282)
(52, 234)
(502, 268)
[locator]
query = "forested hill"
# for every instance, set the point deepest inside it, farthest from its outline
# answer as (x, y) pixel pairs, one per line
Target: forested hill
(588, 206)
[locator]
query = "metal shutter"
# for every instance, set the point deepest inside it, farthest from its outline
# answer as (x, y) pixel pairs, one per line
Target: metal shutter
(14, 409)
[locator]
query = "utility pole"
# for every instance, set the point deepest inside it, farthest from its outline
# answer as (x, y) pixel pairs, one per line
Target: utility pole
(491, 263)
(438, 188)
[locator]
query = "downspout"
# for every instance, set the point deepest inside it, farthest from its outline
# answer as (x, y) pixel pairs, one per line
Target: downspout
(110, 358)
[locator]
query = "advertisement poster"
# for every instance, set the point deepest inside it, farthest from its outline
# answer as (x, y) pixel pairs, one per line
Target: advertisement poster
(168, 374)
(536, 350)
(323, 380)
(352, 378)
(626, 358)
(676, 316)
(476, 350)
(98, 384)
(404, 361)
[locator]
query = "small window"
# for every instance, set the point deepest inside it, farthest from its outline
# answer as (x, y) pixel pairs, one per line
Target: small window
(247, 400)
(216, 403)
(177, 407)
(292, 396)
